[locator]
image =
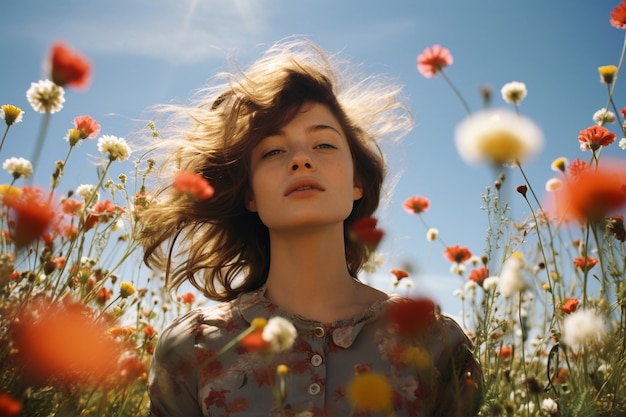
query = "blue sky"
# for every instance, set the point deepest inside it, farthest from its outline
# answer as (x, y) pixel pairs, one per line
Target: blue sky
(147, 52)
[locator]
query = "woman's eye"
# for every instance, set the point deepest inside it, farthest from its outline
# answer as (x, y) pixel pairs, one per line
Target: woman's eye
(326, 146)
(271, 152)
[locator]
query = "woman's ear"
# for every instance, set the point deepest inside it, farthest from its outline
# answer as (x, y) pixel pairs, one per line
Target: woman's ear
(250, 203)
(357, 190)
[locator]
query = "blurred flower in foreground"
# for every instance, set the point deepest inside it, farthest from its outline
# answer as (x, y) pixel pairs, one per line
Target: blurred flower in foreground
(9, 406)
(31, 214)
(497, 136)
(593, 192)
(411, 316)
(45, 96)
(595, 136)
(607, 72)
(18, 167)
(62, 340)
(187, 298)
(416, 204)
(622, 143)
(431, 234)
(618, 16)
(511, 279)
(433, 60)
(193, 185)
(116, 148)
(582, 327)
(370, 391)
(68, 67)
(11, 114)
(514, 92)
(269, 336)
(365, 231)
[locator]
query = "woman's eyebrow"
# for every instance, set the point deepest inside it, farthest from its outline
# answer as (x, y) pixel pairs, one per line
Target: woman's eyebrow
(321, 126)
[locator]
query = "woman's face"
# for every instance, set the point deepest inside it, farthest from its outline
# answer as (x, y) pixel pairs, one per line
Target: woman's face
(302, 176)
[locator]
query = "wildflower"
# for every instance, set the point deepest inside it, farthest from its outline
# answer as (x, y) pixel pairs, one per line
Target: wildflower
(254, 342)
(104, 295)
(607, 72)
(549, 406)
(478, 275)
(416, 204)
(11, 114)
(18, 167)
(149, 332)
(490, 283)
(280, 334)
(585, 263)
(411, 316)
(193, 185)
(618, 16)
(365, 231)
(370, 391)
(457, 254)
(559, 164)
(432, 234)
(513, 92)
(433, 60)
(31, 214)
(505, 352)
(45, 96)
(522, 189)
(576, 167)
(569, 305)
(511, 279)
(603, 116)
(582, 327)
(85, 191)
(593, 193)
(187, 298)
(553, 184)
(68, 67)
(87, 126)
(9, 406)
(64, 340)
(126, 289)
(116, 148)
(103, 210)
(595, 136)
(622, 143)
(399, 274)
(497, 136)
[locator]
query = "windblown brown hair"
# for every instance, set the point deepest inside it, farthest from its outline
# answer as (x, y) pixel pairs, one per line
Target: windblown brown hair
(217, 245)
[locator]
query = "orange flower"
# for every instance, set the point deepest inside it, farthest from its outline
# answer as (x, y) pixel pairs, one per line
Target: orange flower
(411, 317)
(63, 340)
(576, 167)
(365, 231)
(69, 68)
(585, 264)
(187, 298)
(593, 193)
(254, 341)
(104, 295)
(505, 352)
(618, 16)
(416, 204)
(595, 136)
(569, 305)
(194, 185)
(478, 275)
(399, 273)
(149, 332)
(433, 60)
(72, 206)
(87, 126)
(457, 254)
(9, 406)
(31, 215)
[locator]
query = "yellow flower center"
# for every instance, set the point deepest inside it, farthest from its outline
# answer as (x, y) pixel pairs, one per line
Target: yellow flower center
(501, 146)
(370, 391)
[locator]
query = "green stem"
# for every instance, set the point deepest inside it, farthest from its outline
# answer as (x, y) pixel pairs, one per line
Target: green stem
(457, 92)
(40, 140)
(4, 137)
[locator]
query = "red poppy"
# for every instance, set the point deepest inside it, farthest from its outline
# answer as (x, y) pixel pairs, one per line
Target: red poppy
(577, 166)
(31, 215)
(595, 136)
(478, 275)
(68, 67)
(412, 317)
(416, 204)
(254, 341)
(585, 264)
(187, 298)
(9, 406)
(194, 185)
(433, 60)
(399, 273)
(365, 231)
(618, 16)
(64, 340)
(457, 254)
(594, 193)
(87, 126)
(505, 352)
(569, 305)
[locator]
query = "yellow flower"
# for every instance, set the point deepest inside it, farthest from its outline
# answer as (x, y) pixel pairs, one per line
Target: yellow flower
(126, 289)
(497, 136)
(73, 136)
(370, 391)
(282, 369)
(8, 191)
(607, 72)
(417, 357)
(559, 164)
(258, 324)
(11, 114)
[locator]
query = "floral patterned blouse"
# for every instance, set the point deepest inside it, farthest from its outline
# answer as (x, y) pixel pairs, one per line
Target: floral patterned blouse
(433, 375)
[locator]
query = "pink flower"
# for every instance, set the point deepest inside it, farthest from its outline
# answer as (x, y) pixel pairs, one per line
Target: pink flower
(433, 60)
(194, 185)
(87, 126)
(595, 136)
(416, 204)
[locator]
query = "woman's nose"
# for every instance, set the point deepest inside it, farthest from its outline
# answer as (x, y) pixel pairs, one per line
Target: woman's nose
(301, 160)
